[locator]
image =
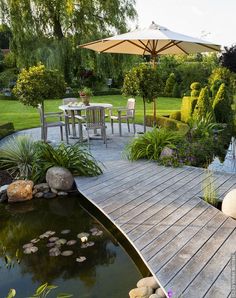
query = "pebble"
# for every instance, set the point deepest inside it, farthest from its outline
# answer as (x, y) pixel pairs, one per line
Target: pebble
(39, 195)
(62, 193)
(143, 292)
(160, 293)
(148, 282)
(49, 195)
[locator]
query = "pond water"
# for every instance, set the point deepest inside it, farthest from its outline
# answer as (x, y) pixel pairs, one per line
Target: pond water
(108, 271)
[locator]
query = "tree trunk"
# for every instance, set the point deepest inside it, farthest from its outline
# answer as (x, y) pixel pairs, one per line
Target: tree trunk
(144, 115)
(43, 123)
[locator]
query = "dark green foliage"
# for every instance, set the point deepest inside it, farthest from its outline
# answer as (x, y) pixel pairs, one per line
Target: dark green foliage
(222, 75)
(222, 105)
(170, 83)
(6, 129)
(228, 58)
(176, 91)
(37, 83)
(73, 157)
(215, 87)
(195, 89)
(187, 108)
(151, 144)
(168, 123)
(176, 115)
(204, 105)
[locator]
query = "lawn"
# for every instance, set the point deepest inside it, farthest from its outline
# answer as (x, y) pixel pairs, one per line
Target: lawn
(25, 117)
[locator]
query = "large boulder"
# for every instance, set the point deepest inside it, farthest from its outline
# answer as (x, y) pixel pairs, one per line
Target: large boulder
(59, 178)
(148, 282)
(229, 204)
(143, 292)
(20, 190)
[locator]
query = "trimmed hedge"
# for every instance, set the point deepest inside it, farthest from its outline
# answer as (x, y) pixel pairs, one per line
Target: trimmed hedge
(6, 129)
(187, 108)
(167, 123)
(176, 115)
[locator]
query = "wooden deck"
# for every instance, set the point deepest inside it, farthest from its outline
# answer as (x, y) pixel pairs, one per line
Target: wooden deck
(186, 243)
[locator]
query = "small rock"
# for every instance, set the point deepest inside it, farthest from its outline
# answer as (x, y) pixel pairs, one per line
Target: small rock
(20, 190)
(62, 193)
(143, 292)
(39, 195)
(154, 296)
(160, 293)
(41, 187)
(148, 282)
(49, 195)
(54, 190)
(3, 197)
(59, 178)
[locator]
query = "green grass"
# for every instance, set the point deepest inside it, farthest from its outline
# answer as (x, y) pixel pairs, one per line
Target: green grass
(24, 117)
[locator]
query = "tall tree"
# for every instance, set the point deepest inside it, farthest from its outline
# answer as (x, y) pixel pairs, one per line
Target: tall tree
(228, 58)
(60, 25)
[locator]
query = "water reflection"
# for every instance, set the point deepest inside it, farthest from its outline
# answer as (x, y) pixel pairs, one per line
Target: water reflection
(19, 223)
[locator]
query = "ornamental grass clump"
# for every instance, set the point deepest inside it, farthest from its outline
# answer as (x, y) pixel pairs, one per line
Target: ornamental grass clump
(151, 144)
(209, 189)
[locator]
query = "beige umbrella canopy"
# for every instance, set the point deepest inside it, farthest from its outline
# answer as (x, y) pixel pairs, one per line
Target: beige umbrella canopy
(154, 41)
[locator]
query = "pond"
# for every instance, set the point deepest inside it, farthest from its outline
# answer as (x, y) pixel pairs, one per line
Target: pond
(95, 266)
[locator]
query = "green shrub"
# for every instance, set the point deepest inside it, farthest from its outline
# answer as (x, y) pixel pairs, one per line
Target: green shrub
(73, 157)
(195, 89)
(6, 129)
(17, 157)
(222, 105)
(38, 83)
(209, 189)
(170, 83)
(151, 144)
(176, 91)
(204, 105)
(187, 108)
(168, 123)
(176, 115)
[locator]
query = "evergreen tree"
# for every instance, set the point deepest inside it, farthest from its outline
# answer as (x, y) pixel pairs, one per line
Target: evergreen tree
(170, 82)
(203, 107)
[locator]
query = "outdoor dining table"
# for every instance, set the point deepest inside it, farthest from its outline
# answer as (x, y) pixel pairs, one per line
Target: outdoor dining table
(77, 109)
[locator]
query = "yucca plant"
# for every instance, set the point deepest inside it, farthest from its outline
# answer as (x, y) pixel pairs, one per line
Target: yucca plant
(151, 144)
(73, 157)
(17, 157)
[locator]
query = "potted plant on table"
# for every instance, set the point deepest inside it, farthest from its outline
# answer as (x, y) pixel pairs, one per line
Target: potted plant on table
(85, 95)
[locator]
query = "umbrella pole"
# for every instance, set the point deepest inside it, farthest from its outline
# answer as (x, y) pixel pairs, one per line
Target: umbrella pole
(154, 65)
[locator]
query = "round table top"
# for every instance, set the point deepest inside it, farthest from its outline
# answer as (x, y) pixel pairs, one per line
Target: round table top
(83, 107)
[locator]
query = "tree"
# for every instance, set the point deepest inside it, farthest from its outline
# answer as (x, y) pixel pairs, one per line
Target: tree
(50, 31)
(142, 80)
(228, 58)
(170, 82)
(222, 105)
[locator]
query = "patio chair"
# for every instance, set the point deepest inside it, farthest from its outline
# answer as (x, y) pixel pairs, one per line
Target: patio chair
(45, 124)
(127, 113)
(94, 119)
(67, 113)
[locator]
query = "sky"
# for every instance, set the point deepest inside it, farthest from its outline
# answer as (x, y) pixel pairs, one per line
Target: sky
(212, 20)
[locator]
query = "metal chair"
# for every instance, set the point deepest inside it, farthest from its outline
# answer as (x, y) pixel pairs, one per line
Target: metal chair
(127, 113)
(45, 124)
(67, 113)
(94, 119)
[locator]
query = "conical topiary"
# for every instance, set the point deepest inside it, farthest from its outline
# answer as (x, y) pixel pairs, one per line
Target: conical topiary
(204, 105)
(170, 82)
(222, 105)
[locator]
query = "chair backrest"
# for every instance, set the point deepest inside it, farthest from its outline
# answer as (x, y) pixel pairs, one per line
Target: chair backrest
(69, 99)
(41, 116)
(131, 107)
(95, 117)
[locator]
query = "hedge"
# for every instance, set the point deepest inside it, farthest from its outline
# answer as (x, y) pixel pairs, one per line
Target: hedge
(176, 115)
(6, 129)
(167, 123)
(187, 108)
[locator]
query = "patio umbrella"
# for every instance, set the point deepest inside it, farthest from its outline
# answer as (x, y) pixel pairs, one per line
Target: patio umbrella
(153, 41)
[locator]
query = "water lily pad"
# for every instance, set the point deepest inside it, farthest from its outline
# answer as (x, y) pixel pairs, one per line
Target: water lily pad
(97, 233)
(54, 252)
(53, 239)
(90, 243)
(27, 245)
(30, 250)
(65, 231)
(50, 233)
(80, 259)
(61, 241)
(71, 242)
(35, 240)
(50, 244)
(84, 245)
(93, 230)
(67, 253)
(44, 236)
(81, 235)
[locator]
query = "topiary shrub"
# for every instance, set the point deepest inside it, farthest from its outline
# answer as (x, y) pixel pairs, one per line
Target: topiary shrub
(221, 75)
(176, 91)
(176, 115)
(171, 124)
(204, 105)
(170, 83)
(195, 89)
(187, 108)
(222, 105)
